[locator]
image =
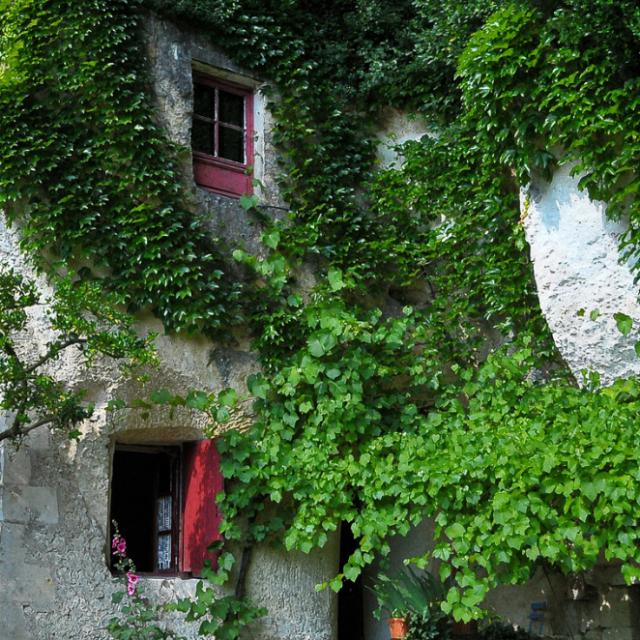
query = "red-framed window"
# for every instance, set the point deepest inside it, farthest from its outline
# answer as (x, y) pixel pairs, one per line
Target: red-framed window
(163, 499)
(222, 135)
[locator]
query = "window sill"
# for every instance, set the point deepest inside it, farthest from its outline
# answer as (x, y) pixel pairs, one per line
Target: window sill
(226, 178)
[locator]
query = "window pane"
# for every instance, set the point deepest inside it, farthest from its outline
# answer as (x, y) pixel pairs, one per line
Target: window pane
(231, 144)
(230, 108)
(164, 513)
(202, 136)
(164, 551)
(204, 100)
(144, 514)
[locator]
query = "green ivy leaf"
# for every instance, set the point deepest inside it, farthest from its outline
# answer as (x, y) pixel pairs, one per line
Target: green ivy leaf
(116, 597)
(623, 322)
(335, 279)
(271, 238)
(197, 400)
(258, 386)
(456, 530)
(248, 202)
(161, 396)
(228, 397)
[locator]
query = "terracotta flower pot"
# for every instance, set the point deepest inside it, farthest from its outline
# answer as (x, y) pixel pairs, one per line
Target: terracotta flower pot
(398, 628)
(465, 629)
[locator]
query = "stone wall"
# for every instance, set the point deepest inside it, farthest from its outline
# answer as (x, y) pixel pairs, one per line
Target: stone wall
(54, 506)
(55, 493)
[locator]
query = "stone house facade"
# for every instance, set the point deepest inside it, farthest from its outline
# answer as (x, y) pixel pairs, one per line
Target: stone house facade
(56, 495)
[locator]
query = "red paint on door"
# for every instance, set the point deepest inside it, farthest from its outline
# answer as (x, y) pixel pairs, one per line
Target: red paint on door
(201, 515)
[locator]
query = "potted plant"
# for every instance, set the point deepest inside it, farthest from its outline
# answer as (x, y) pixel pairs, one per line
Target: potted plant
(412, 600)
(390, 599)
(398, 625)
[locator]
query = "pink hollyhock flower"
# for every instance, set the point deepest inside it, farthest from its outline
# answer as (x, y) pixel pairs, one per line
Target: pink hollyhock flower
(119, 544)
(132, 580)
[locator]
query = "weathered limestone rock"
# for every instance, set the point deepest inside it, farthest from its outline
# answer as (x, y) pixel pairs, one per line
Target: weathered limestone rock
(26, 504)
(581, 281)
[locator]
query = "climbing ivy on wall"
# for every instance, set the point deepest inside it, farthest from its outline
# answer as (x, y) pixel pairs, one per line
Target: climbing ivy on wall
(86, 172)
(377, 405)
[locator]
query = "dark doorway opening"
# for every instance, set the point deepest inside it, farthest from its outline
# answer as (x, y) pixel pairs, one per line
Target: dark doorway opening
(350, 597)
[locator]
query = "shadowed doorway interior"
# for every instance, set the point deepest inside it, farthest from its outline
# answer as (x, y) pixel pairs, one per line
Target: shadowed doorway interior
(350, 597)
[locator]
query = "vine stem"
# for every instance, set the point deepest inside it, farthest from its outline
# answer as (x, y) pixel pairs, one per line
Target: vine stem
(245, 561)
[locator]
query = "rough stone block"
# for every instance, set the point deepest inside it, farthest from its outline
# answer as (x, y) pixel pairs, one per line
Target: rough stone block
(12, 623)
(15, 465)
(29, 504)
(39, 439)
(576, 255)
(11, 546)
(29, 584)
(21, 582)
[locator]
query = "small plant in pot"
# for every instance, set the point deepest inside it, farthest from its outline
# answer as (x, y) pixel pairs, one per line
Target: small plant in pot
(398, 624)
(412, 600)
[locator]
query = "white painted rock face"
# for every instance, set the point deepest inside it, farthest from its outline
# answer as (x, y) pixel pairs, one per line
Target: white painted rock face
(397, 128)
(576, 259)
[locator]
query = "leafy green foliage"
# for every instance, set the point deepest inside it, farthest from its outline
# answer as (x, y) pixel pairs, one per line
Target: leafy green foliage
(138, 618)
(218, 407)
(514, 473)
(80, 318)
(429, 627)
(223, 617)
(449, 220)
(377, 405)
(549, 79)
(623, 322)
(220, 615)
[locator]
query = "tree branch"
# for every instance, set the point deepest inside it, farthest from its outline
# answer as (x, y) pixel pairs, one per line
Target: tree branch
(16, 430)
(52, 352)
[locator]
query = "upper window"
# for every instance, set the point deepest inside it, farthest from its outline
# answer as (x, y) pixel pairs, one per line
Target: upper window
(222, 135)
